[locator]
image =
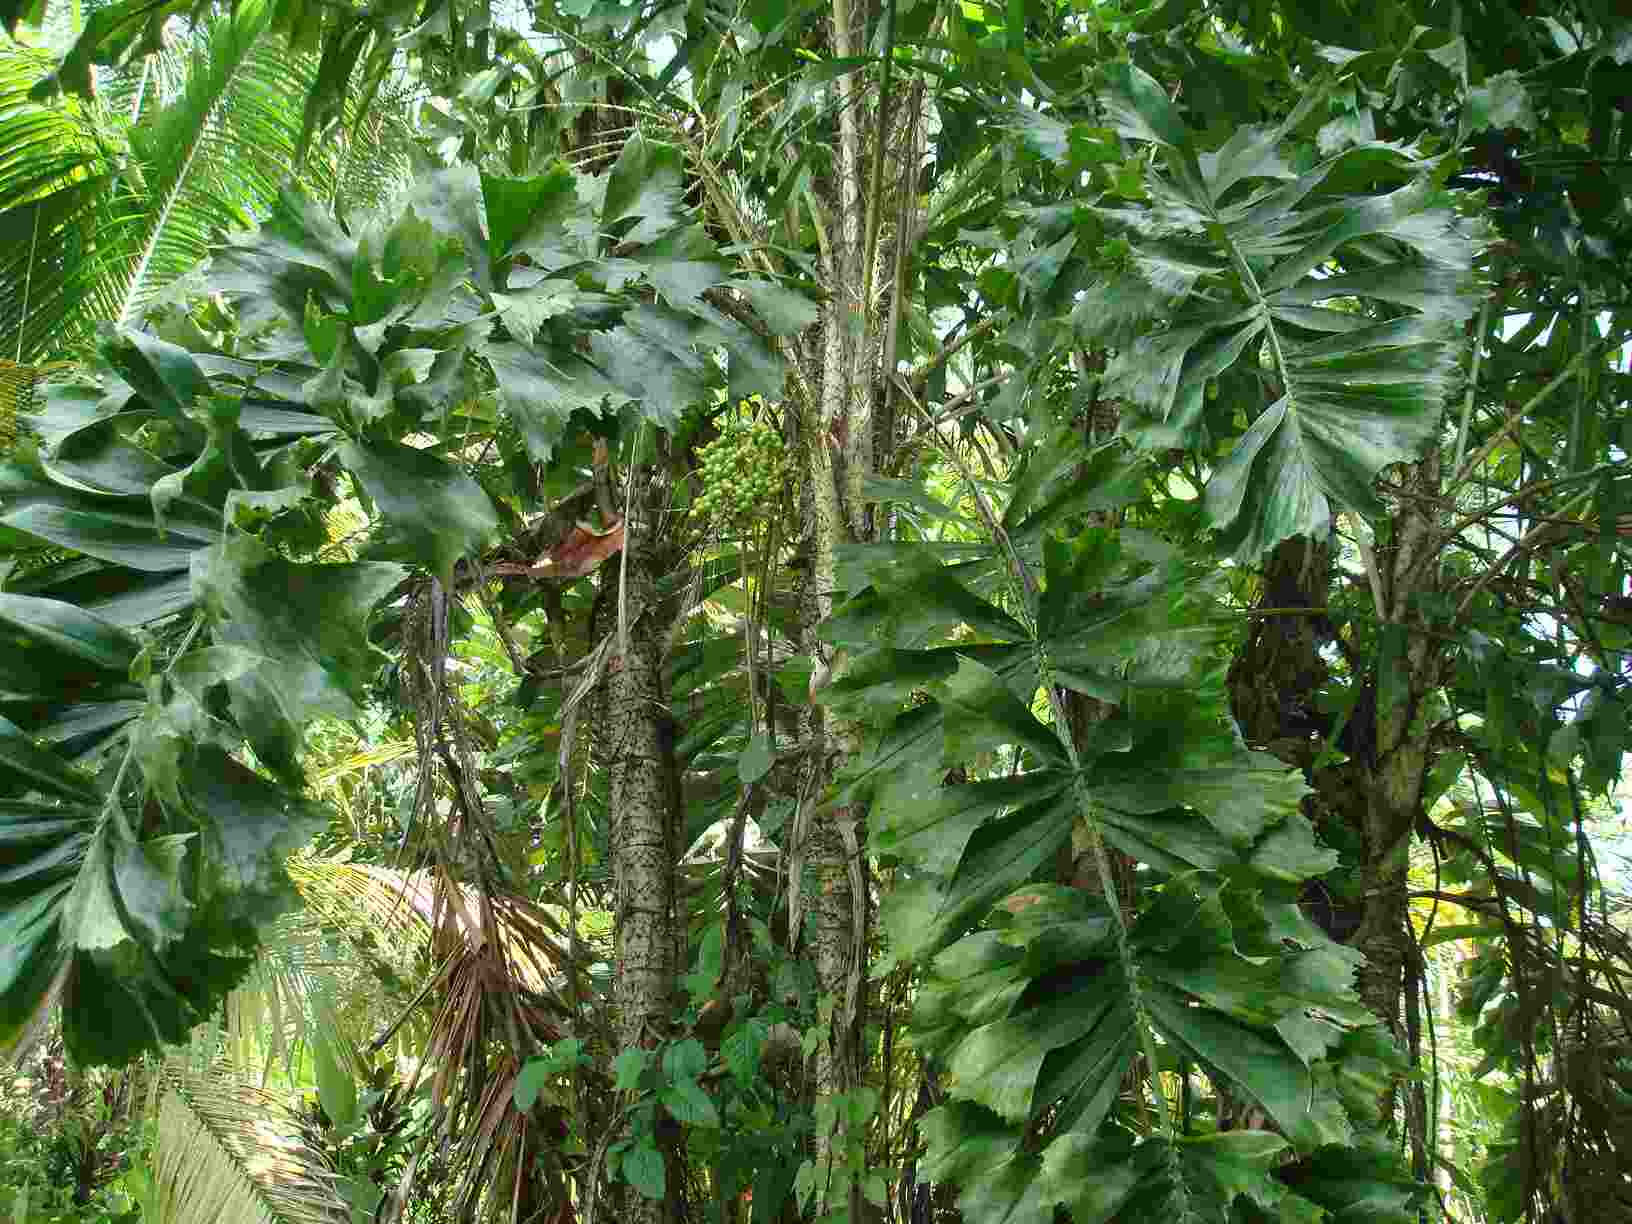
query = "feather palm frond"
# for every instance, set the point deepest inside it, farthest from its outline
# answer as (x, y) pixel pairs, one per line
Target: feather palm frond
(19, 389)
(217, 156)
(58, 166)
(100, 211)
(227, 1150)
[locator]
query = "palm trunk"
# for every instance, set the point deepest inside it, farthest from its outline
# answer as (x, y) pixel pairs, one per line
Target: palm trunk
(847, 433)
(1409, 668)
(644, 837)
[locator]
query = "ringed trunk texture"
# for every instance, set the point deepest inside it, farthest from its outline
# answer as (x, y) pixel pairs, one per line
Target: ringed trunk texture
(644, 836)
(847, 433)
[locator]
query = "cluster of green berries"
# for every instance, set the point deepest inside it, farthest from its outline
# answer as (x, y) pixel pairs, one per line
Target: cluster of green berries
(744, 471)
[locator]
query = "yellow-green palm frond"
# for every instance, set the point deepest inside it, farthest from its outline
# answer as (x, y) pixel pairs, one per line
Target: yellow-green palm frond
(58, 166)
(99, 212)
(227, 1150)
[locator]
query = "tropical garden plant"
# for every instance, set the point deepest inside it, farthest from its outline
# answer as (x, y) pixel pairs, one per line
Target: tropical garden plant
(822, 610)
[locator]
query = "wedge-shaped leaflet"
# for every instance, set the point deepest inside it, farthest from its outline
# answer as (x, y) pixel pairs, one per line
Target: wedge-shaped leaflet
(139, 936)
(1329, 315)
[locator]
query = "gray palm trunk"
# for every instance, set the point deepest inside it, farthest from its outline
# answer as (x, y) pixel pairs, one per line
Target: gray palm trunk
(848, 438)
(639, 739)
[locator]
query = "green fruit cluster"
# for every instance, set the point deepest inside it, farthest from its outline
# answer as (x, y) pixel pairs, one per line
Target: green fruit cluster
(743, 472)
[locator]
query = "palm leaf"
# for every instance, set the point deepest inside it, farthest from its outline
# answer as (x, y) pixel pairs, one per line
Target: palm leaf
(1325, 308)
(19, 391)
(98, 214)
(227, 1150)
(216, 157)
(57, 168)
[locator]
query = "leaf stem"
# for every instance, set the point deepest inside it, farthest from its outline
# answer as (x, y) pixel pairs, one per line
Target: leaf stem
(1027, 590)
(1473, 383)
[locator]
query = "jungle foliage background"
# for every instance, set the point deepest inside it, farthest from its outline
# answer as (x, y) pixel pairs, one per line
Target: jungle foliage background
(912, 610)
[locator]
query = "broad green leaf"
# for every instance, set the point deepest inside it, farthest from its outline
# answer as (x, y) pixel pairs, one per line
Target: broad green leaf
(643, 1169)
(645, 186)
(25, 766)
(1501, 102)
(682, 282)
(741, 1050)
(658, 359)
(32, 956)
(685, 1059)
(1000, 856)
(121, 538)
(1291, 854)
(905, 610)
(1270, 1071)
(91, 920)
(248, 829)
(69, 631)
(689, 1103)
(965, 1143)
(756, 760)
(1185, 755)
(527, 310)
(336, 1086)
(310, 621)
(529, 1080)
(998, 1064)
(784, 311)
(1272, 262)
(148, 877)
(515, 205)
(1137, 107)
(450, 200)
(97, 457)
(540, 393)
(930, 825)
(163, 374)
(1107, 1180)
(980, 713)
(434, 513)
(629, 1066)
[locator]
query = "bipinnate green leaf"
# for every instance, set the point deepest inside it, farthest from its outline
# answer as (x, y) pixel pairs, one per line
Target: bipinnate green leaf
(138, 936)
(979, 713)
(163, 374)
(1123, 1181)
(784, 311)
(81, 639)
(25, 766)
(121, 535)
(516, 205)
(646, 187)
(1341, 313)
(540, 392)
(308, 620)
(433, 512)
